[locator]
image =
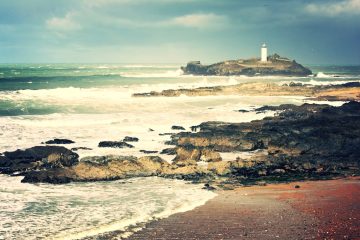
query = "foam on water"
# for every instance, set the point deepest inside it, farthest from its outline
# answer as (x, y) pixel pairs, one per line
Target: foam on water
(78, 210)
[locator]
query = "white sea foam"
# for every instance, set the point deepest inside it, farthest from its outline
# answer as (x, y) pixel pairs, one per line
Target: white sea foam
(322, 75)
(167, 74)
(29, 211)
(149, 66)
(315, 82)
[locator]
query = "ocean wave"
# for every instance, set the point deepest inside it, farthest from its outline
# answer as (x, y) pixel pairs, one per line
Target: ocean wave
(148, 66)
(91, 208)
(175, 73)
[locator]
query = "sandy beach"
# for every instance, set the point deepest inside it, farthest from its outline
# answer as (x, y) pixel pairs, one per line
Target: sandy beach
(315, 210)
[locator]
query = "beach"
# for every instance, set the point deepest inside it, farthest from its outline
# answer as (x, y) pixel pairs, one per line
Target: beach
(315, 210)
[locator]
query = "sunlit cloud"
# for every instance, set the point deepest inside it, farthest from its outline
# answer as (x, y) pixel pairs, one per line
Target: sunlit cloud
(61, 24)
(208, 20)
(335, 8)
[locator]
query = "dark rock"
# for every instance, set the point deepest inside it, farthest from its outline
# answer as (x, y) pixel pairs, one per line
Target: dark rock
(177, 127)
(261, 183)
(165, 134)
(297, 186)
(207, 186)
(80, 148)
(242, 111)
(194, 128)
(151, 130)
(130, 139)
(168, 151)
(148, 152)
(40, 157)
(59, 141)
(310, 140)
(115, 144)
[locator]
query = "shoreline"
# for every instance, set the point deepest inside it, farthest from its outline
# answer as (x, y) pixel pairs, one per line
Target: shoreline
(275, 211)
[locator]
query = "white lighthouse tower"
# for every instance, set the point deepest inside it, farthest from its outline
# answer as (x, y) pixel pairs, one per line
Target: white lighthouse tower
(263, 53)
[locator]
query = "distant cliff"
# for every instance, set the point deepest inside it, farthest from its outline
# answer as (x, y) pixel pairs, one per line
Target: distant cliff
(275, 65)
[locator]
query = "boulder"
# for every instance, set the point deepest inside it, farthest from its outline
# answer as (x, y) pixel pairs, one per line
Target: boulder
(114, 144)
(177, 127)
(39, 157)
(130, 139)
(59, 141)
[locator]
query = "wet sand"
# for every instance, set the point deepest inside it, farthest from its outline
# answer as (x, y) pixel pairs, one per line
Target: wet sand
(317, 210)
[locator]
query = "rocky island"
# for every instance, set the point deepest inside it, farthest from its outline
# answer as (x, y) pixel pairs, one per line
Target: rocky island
(275, 65)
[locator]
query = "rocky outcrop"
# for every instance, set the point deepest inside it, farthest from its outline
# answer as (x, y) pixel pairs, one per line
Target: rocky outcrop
(59, 141)
(250, 67)
(301, 140)
(342, 92)
(114, 144)
(36, 158)
(101, 168)
(175, 127)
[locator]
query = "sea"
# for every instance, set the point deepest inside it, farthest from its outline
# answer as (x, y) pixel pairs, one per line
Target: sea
(89, 103)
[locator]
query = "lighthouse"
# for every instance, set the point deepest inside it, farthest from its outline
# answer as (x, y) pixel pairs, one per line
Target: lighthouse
(263, 53)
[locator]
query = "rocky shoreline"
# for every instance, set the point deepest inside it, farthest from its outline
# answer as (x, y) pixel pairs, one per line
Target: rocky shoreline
(343, 92)
(311, 141)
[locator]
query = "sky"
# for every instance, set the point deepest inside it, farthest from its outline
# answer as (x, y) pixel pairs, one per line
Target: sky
(177, 31)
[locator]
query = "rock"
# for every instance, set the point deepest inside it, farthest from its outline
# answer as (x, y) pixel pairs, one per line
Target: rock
(250, 67)
(307, 141)
(115, 144)
(242, 110)
(151, 130)
(101, 168)
(197, 154)
(220, 168)
(294, 84)
(35, 158)
(165, 134)
(130, 139)
(194, 128)
(80, 148)
(148, 152)
(297, 186)
(261, 183)
(177, 127)
(279, 171)
(184, 162)
(168, 151)
(207, 186)
(59, 141)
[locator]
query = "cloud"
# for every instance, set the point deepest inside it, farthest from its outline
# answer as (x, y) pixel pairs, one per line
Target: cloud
(66, 23)
(335, 8)
(200, 20)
